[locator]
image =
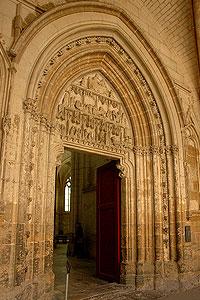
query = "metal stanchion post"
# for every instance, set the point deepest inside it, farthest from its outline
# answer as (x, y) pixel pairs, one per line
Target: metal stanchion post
(68, 266)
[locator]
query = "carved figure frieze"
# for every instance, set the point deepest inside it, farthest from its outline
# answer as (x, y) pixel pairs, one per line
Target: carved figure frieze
(90, 113)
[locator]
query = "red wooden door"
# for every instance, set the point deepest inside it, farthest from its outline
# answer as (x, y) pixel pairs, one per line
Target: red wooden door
(108, 222)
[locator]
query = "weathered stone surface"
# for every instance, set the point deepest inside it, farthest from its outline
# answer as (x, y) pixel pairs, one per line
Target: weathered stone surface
(116, 81)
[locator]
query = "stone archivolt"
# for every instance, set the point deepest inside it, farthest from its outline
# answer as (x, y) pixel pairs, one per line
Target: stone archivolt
(60, 55)
(85, 41)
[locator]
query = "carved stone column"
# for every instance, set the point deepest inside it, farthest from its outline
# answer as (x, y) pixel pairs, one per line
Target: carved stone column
(128, 221)
(158, 231)
(145, 219)
(9, 174)
(75, 195)
(54, 150)
(156, 215)
(172, 204)
(171, 268)
(166, 269)
(24, 234)
(34, 210)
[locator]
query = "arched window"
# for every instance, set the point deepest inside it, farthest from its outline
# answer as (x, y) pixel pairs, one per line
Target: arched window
(67, 194)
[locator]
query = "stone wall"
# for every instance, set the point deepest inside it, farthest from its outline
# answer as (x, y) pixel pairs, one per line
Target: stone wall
(142, 51)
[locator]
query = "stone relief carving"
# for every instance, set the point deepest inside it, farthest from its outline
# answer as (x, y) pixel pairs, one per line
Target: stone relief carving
(29, 105)
(186, 101)
(122, 171)
(10, 124)
(187, 116)
(90, 113)
(6, 124)
(59, 159)
(189, 136)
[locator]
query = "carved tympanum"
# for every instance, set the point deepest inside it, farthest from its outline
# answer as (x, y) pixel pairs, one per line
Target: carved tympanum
(91, 113)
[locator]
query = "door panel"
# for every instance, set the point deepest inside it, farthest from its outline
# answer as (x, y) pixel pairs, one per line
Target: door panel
(108, 222)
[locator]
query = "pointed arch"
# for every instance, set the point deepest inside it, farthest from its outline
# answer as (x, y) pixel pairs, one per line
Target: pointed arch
(50, 55)
(49, 27)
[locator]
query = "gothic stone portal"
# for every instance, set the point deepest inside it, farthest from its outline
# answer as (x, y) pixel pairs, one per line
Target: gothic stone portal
(90, 116)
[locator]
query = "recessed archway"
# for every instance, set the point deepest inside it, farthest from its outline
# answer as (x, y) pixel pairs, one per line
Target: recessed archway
(146, 143)
(83, 172)
(145, 151)
(91, 117)
(142, 148)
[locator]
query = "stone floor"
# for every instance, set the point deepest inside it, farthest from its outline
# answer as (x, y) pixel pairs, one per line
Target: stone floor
(83, 284)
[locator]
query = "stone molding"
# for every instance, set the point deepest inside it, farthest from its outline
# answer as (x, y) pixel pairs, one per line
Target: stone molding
(156, 150)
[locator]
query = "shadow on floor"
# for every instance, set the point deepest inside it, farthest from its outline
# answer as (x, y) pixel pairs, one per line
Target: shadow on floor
(83, 282)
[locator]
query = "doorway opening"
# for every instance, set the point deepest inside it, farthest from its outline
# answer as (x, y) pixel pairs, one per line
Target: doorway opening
(87, 192)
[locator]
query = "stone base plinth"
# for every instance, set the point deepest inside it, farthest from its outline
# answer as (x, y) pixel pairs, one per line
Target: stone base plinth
(41, 288)
(144, 276)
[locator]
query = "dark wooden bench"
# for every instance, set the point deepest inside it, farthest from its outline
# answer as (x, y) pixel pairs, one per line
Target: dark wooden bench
(62, 238)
